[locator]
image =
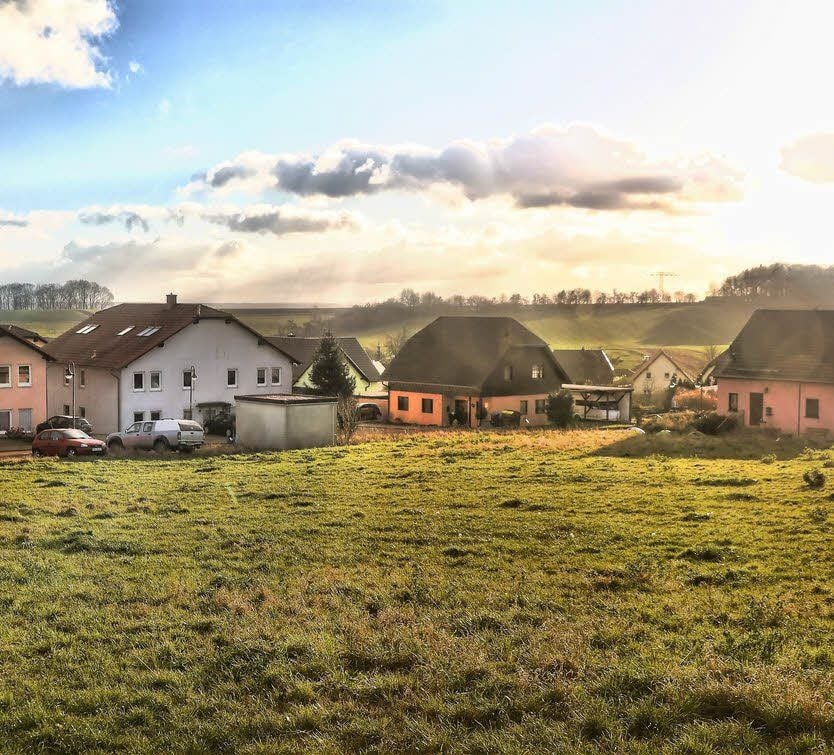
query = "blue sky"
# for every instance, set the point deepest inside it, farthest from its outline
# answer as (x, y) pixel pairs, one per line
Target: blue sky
(688, 114)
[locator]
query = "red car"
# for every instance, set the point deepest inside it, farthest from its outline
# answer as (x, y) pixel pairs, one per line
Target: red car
(67, 443)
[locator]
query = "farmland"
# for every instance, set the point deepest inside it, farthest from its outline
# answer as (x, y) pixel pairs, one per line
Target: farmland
(579, 591)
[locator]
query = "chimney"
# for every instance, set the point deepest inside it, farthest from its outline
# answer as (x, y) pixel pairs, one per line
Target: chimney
(171, 300)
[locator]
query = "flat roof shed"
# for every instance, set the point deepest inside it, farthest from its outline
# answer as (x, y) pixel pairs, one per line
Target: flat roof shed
(283, 422)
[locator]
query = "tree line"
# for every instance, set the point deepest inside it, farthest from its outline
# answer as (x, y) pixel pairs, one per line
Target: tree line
(74, 294)
(807, 283)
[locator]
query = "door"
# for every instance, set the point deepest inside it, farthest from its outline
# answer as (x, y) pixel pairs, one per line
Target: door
(131, 435)
(462, 411)
(5, 421)
(756, 408)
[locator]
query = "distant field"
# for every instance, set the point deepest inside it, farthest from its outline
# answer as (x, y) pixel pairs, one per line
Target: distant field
(440, 593)
(47, 323)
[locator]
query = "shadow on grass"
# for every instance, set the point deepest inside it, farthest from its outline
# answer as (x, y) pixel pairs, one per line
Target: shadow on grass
(737, 445)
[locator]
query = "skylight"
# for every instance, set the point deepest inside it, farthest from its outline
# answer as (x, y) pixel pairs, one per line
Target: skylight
(126, 330)
(86, 329)
(148, 331)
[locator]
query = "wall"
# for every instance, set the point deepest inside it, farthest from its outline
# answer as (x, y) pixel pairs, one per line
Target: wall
(280, 426)
(786, 401)
(17, 397)
(212, 347)
(99, 398)
(414, 415)
(501, 403)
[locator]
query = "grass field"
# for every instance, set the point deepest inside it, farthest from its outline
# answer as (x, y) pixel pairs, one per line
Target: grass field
(48, 323)
(442, 592)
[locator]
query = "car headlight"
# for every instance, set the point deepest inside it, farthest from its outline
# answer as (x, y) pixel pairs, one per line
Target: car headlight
(84, 445)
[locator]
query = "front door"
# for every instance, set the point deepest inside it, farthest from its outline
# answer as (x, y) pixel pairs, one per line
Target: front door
(756, 408)
(462, 411)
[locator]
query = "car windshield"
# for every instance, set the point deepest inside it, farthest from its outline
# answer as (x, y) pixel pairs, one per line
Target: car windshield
(75, 434)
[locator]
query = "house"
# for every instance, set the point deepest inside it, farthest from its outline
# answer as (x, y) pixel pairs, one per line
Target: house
(779, 372)
(707, 377)
(136, 362)
(23, 369)
(283, 422)
(467, 368)
(654, 375)
(586, 366)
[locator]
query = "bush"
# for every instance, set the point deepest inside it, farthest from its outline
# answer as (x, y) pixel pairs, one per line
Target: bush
(814, 479)
(697, 401)
(560, 409)
(713, 423)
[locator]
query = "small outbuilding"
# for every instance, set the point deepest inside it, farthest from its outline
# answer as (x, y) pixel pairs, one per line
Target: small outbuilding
(601, 403)
(284, 422)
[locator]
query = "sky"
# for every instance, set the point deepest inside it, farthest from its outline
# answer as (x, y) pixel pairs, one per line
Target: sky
(338, 152)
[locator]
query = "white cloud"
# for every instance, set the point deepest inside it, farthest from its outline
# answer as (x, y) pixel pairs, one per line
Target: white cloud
(811, 157)
(55, 41)
(578, 166)
(135, 67)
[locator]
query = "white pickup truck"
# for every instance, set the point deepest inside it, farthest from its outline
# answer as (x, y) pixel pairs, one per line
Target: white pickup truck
(158, 435)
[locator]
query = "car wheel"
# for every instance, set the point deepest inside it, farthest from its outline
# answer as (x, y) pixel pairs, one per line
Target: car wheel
(115, 447)
(36, 452)
(71, 453)
(161, 446)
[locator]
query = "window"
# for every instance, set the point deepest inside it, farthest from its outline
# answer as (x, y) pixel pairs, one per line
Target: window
(508, 372)
(402, 403)
(156, 381)
(86, 329)
(812, 408)
(538, 371)
(125, 331)
(24, 375)
(523, 407)
(147, 427)
(5, 376)
(5, 421)
(148, 331)
(138, 417)
(82, 378)
(186, 379)
(187, 414)
(82, 412)
(732, 402)
(156, 415)
(541, 406)
(67, 410)
(276, 376)
(666, 376)
(648, 376)
(24, 418)
(261, 376)
(231, 378)
(428, 406)
(769, 411)
(138, 381)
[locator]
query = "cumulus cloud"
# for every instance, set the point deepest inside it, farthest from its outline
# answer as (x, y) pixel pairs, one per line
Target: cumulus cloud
(13, 222)
(55, 41)
(282, 220)
(811, 157)
(578, 166)
(129, 218)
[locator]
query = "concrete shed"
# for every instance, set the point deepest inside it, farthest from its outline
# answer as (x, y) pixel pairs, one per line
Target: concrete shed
(284, 422)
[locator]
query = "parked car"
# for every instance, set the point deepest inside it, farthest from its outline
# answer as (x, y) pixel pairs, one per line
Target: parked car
(67, 443)
(221, 424)
(158, 435)
(64, 422)
(369, 412)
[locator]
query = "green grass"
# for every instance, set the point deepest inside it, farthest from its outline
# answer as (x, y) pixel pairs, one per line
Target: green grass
(48, 323)
(444, 592)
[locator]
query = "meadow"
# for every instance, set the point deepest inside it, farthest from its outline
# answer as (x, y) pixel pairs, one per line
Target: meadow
(581, 591)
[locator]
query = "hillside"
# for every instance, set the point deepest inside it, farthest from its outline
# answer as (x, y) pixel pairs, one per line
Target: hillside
(461, 593)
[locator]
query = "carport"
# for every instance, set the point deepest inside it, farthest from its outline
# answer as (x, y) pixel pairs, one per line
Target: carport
(601, 403)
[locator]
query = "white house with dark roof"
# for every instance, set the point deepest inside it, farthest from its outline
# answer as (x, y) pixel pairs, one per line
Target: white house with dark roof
(138, 362)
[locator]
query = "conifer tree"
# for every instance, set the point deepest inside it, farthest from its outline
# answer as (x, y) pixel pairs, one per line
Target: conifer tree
(330, 374)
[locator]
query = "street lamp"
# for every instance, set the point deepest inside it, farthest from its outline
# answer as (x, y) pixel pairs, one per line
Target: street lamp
(69, 376)
(192, 378)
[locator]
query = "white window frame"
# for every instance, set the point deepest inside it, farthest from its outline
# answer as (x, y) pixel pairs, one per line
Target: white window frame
(150, 381)
(258, 377)
(9, 368)
(237, 377)
(28, 383)
(20, 418)
(134, 388)
(125, 331)
(537, 372)
(86, 330)
(272, 376)
(82, 378)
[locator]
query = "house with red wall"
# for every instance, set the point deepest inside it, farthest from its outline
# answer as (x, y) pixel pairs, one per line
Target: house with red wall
(22, 378)
(468, 368)
(779, 372)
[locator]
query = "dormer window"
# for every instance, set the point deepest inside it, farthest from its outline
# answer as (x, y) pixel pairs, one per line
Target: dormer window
(125, 331)
(86, 329)
(148, 331)
(537, 372)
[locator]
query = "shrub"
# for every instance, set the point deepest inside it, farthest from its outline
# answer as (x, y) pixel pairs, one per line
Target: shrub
(697, 401)
(814, 478)
(713, 423)
(560, 409)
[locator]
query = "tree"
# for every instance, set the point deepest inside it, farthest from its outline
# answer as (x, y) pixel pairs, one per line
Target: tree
(560, 408)
(394, 342)
(330, 375)
(347, 417)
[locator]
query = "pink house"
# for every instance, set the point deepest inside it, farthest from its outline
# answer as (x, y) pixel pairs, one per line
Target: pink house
(779, 372)
(22, 378)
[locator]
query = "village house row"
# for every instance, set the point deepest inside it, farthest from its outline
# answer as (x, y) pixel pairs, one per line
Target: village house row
(141, 362)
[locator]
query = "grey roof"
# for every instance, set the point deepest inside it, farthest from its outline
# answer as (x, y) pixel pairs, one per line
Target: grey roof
(463, 352)
(304, 351)
(287, 399)
(783, 344)
(590, 366)
(23, 336)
